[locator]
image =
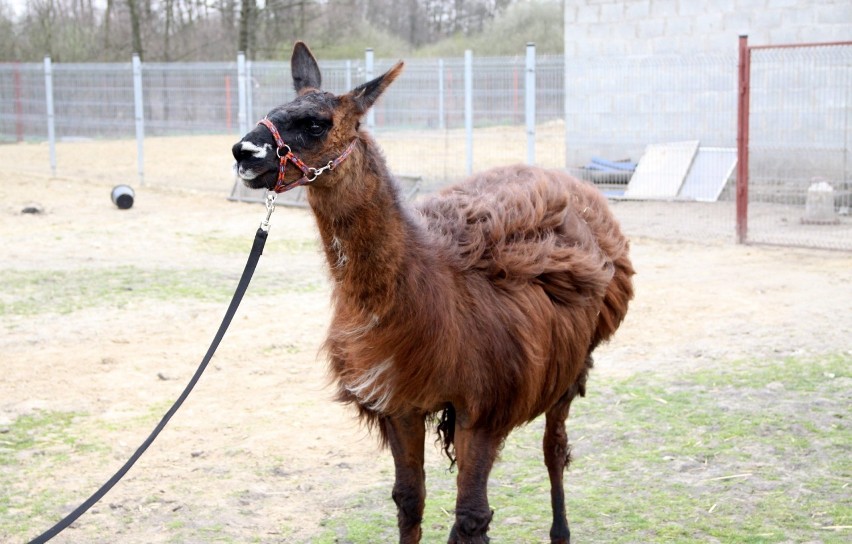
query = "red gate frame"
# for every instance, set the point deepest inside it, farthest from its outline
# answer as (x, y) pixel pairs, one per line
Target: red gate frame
(743, 100)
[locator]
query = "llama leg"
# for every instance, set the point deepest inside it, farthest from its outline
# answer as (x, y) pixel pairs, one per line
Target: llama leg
(405, 436)
(557, 455)
(476, 451)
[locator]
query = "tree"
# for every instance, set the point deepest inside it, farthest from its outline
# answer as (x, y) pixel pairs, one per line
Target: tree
(247, 27)
(135, 28)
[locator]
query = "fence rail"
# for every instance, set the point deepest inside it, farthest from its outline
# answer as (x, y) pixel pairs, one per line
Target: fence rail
(438, 125)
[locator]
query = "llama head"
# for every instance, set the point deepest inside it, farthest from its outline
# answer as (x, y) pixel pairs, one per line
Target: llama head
(316, 126)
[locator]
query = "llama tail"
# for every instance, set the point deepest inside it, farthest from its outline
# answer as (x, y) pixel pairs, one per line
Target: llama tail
(446, 432)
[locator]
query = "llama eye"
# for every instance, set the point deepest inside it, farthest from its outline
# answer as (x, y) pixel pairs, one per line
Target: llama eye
(315, 129)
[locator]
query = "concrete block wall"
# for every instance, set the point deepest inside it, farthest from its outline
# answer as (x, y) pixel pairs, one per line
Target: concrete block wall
(650, 71)
(644, 27)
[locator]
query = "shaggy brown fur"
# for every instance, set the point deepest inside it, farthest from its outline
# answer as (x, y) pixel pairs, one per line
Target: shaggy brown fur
(483, 304)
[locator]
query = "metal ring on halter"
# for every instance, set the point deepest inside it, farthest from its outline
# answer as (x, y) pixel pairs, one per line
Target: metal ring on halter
(278, 151)
(317, 171)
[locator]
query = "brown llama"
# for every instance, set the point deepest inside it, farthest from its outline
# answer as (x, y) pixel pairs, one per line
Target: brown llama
(477, 310)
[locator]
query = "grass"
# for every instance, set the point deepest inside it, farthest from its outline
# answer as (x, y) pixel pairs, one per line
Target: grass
(752, 452)
(32, 292)
(31, 445)
(212, 243)
(755, 452)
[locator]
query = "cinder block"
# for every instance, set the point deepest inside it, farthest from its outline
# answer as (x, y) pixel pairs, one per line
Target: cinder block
(664, 45)
(835, 13)
(691, 8)
(663, 8)
(767, 19)
(679, 26)
(650, 28)
(640, 47)
(708, 22)
(570, 14)
(612, 13)
(737, 23)
(588, 14)
(773, 4)
(749, 5)
(637, 9)
(784, 35)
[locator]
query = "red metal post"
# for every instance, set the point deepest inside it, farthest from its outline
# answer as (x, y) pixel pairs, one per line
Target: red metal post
(744, 91)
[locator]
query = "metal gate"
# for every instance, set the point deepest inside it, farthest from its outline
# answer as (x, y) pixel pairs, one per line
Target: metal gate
(794, 139)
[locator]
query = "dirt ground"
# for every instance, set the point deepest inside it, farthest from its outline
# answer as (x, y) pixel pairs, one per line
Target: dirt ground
(259, 451)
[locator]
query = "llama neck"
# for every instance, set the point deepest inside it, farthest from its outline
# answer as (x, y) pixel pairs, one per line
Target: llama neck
(369, 238)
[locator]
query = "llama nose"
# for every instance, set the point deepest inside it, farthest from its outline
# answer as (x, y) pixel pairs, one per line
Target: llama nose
(239, 151)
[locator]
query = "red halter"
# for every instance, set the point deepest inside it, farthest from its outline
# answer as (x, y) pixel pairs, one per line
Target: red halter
(309, 174)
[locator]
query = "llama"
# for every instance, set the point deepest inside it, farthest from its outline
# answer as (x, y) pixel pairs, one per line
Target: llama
(476, 311)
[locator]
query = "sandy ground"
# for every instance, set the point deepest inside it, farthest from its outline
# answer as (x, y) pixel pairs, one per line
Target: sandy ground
(259, 451)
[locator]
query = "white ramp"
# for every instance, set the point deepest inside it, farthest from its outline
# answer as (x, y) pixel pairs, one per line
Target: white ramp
(710, 171)
(661, 170)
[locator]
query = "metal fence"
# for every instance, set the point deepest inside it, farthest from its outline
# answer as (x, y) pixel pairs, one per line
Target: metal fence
(447, 117)
(797, 126)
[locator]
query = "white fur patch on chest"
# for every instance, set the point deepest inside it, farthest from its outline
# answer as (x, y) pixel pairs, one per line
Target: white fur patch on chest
(358, 332)
(337, 247)
(374, 387)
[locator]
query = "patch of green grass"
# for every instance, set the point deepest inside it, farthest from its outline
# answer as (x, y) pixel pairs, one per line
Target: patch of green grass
(212, 243)
(32, 292)
(43, 428)
(29, 448)
(758, 452)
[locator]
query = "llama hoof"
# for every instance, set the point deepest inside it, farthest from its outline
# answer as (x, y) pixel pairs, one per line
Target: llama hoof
(560, 536)
(481, 539)
(471, 529)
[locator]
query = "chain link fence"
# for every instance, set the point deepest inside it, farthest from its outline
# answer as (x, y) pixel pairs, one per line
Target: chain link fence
(444, 118)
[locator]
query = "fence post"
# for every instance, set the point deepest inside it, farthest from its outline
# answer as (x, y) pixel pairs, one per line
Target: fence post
(51, 127)
(468, 107)
(744, 92)
(139, 113)
(348, 75)
(529, 102)
(19, 107)
(249, 97)
(368, 65)
(242, 106)
(442, 123)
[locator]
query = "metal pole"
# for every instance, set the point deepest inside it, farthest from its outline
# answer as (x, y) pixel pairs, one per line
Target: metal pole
(744, 91)
(249, 101)
(348, 86)
(468, 107)
(51, 127)
(368, 65)
(19, 107)
(139, 113)
(242, 115)
(529, 102)
(442, 123)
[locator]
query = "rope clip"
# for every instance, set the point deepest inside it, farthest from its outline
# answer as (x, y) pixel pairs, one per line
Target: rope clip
(270, 207)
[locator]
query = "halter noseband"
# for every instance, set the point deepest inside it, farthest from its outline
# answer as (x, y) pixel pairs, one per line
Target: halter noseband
(309, 174)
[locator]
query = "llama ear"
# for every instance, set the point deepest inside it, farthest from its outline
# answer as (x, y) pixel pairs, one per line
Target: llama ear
(366, 94)
(303, 66)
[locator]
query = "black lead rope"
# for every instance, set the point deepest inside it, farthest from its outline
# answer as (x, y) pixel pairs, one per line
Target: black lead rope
(254, 256)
